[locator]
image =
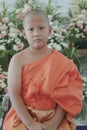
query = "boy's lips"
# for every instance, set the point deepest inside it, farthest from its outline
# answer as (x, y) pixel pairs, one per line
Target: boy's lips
(37, 40)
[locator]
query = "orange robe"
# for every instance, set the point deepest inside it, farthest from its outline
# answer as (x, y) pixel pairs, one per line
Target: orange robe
(50, 80)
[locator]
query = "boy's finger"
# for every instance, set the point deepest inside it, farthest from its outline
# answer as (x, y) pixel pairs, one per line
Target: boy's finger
(44, 127)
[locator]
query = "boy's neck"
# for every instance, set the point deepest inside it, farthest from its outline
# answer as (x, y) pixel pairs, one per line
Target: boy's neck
(39, 51)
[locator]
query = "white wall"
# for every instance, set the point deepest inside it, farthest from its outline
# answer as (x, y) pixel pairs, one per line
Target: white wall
(9, 3)
(64, 3)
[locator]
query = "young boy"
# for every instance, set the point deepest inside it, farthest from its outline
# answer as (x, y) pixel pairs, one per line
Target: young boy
(45, 87)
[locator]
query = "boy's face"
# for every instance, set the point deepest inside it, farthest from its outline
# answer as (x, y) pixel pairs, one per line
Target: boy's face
(37, 31)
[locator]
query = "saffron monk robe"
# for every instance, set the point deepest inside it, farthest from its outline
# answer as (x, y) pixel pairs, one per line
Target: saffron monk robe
(47, 82)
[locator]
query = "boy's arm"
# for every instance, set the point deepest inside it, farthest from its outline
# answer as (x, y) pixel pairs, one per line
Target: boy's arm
(56, 120)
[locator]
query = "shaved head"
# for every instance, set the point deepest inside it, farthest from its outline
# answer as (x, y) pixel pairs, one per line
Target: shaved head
(35, 12)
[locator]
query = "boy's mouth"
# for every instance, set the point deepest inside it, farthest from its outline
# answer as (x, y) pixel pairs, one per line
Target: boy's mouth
(37, 40)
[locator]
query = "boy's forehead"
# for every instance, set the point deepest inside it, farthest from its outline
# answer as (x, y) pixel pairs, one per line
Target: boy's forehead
(35, 19)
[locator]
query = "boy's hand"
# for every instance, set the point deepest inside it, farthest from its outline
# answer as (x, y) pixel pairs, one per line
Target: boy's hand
(37, 126)
(49, 126)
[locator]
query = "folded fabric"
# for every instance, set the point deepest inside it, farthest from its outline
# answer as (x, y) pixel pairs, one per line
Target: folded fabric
(50, 80)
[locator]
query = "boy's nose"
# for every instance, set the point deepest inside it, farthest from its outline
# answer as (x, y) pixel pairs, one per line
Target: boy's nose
(36, 32)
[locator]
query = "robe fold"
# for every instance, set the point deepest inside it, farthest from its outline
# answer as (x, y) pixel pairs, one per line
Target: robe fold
(46, 82)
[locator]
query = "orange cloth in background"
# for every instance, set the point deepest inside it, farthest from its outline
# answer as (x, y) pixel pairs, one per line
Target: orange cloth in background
(48, 81)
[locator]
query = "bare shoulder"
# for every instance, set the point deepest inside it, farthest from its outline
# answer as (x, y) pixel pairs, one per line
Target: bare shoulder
(19, 58)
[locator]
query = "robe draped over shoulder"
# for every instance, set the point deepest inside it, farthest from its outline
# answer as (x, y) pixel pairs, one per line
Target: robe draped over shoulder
(53, 79)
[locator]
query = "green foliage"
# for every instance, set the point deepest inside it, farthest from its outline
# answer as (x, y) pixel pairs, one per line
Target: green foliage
(0, 108)
(72, 54)
(4, 11)
(5, 57)
(3, 82)
(20, 3)
(81, 4)
(77, 30)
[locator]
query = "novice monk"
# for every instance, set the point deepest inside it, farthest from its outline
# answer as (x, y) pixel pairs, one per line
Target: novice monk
(45, 87)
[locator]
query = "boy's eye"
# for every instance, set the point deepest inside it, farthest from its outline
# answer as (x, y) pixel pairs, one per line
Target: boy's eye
(42, 28)
(31, 29)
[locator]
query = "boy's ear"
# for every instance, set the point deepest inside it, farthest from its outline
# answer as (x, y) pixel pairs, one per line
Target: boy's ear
(50, 30)
(24, 34)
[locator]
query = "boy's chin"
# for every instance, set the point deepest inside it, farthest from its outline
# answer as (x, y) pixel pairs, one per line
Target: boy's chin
(38, 46)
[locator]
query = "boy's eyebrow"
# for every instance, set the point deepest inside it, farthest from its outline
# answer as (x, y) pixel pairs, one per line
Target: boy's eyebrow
(30, 26)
